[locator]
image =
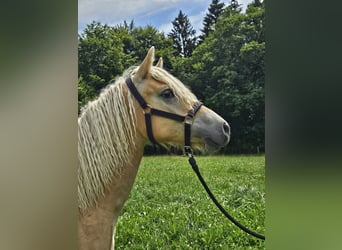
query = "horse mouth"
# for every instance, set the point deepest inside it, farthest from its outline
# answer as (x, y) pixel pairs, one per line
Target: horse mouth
(212, 145)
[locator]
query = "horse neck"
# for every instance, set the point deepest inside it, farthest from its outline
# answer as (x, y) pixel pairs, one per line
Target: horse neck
(97, 226)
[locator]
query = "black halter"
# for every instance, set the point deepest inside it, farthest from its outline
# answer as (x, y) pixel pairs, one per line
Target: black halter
(149, 111)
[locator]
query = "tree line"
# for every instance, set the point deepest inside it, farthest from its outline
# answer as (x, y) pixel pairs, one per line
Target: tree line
(224, 65)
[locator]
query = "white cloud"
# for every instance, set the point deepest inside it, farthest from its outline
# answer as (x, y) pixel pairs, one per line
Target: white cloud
(109, 10)
(197, 21)
(166, 28)
(115, 11)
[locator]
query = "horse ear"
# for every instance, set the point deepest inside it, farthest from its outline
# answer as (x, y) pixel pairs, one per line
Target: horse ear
(145, 66)
(160, 63)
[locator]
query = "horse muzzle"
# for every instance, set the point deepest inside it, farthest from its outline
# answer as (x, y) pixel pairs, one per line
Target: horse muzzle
(212, 129)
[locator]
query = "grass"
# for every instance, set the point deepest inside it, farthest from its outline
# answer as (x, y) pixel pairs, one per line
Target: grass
(169, 209)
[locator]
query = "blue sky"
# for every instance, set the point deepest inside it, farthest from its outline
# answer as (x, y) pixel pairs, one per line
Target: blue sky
(158, 13)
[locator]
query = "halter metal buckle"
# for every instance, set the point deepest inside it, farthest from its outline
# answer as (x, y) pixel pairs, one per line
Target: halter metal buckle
(148, 109)
(188, 151)
(189, 119)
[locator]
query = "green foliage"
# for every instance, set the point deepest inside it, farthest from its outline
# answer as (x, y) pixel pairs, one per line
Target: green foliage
(145, 37)
(169, 209)
(85, 92)
(101, 57)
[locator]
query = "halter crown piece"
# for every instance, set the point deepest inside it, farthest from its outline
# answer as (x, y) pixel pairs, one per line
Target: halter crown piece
(149, 111)
(188, 120)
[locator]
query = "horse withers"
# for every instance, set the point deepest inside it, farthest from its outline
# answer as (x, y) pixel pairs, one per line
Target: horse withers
(112, 134)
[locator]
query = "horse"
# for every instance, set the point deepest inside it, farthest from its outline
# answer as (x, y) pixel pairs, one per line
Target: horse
(112, 135)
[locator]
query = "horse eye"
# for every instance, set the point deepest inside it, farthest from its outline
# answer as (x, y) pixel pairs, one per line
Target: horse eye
(167, 94)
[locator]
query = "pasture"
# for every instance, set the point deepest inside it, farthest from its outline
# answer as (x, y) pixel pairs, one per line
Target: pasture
(169, 209)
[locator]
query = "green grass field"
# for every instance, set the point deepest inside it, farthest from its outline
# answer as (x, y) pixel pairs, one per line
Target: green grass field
(169, 209)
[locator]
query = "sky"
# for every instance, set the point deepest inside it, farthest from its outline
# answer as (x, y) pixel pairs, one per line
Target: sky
(158, 13)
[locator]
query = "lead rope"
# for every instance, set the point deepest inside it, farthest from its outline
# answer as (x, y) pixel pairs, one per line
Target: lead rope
(194, 166)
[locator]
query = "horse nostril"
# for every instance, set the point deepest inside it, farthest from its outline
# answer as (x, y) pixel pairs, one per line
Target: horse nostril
(226, 128)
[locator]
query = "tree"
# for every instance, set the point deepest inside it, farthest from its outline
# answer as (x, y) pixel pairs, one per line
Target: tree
(227, 71)
(239, 72)
(129, 27)
(183, 35)
(100, 55)
(85, 92)
(257, 3)
(214, 10)
(123, 32)
(235, 6)
(145, 37)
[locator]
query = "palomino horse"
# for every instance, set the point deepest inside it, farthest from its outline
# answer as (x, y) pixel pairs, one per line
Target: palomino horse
(111, 139)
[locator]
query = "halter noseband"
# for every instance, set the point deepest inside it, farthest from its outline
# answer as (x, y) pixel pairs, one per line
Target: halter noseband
(149, 111)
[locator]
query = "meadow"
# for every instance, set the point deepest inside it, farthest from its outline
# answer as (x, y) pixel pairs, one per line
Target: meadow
(169, 209)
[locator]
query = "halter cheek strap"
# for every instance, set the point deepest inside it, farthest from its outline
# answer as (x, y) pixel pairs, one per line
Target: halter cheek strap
(149, 111)
(188, 120)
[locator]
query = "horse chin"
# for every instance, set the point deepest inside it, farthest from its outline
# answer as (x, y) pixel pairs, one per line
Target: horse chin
(215, 143)
(211, 146)
(206, 147)
(198, 147)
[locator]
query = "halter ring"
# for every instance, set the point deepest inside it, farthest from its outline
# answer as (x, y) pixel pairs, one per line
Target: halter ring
(188, 151)
(148, 109)
(189, 119)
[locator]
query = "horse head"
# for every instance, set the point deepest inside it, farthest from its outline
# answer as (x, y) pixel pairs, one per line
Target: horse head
(162, 91)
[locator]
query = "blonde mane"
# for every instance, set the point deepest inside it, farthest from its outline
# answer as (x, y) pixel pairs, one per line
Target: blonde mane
(106, 135)
(104, 123)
